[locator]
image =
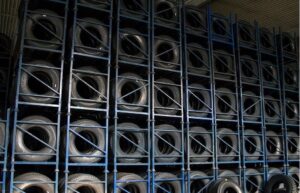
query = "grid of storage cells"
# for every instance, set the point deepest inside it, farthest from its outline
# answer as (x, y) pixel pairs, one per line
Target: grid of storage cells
(36, 120)
(225, 92)
(85, 133)
(130, 126)
(167, 98)
(198, 96)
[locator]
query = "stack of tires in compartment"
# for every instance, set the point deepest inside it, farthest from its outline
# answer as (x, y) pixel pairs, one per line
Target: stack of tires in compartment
(140, 96)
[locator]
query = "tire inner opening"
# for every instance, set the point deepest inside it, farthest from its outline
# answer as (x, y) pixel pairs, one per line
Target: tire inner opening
(290, 77)
(251, 145)
(196, 147)
(292, 145)
(165, 52)
(36, 86)
(33, 144)
(279, 187)
(83, 146)
(248, 103)
(163, 147)
(271, 145)
(35, 189)
(245, 68)
(84, 90)
(219, 27)
(270, 111)
(131, 45)
(165, 187)
(230, 190)
(163, 99)
(41, 29)
(251, 188)
(296, 179)
(196, 59)
(127, 146)
(291, 110)
(165, 10)
(224, 148)
(85, 189)
(134, 5)
(224, 107)
(132, 188)
(245, 34)
(195, 103)
(266, 73)
(129, 87)
(194, 20)
(265, 40)
(89, 40)
(287, 44)
(221, 64)
(196, 186)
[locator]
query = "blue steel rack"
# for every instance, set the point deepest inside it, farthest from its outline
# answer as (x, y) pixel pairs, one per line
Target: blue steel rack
(198, 87)
(131, 124)
(52, 47)
(88, 96)
(167, 82)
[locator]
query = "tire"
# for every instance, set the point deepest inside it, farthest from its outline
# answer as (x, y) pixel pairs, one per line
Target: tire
(271, 114)
(196, 105)
(94, 135)
(3, 77)
(5, 44)
(225, 185)
(266, 39)
(273, 171)
(253, 176)
(138, 99)
(223, 110)
(162, 148)
(225, 152)
(273, 184)
(33, 180)
(97, 82)
(165, 12)
(31, 86)
(46, 132)
(270, 74)
(134, 8)
(169, 59)
(251, 151)
(2, 135)
(227, 69)
(165, 102)
(128, 149)
(218, 26)
(195, 20)
(294, 172)
(228, 174)
(197, 184)
(97, 3)
(291, 76)
(291, 111)
(246, 32)
(247, 63)
(194, 64)
(196, 149)
(89, 45)
(293, 145)
(84, 181)
(288, 43)
(35, 33)
(131, 182)
(171, 186)
(253, 113)
(273, 151)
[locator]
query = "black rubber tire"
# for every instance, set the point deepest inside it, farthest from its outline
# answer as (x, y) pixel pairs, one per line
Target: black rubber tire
(293, 148)
(172, 137)
(138, 40)
(127, 180)
(194, 64)
(229, 175)
(224, 186)
(97, 3)
(2, 135)
(291, 111)
(255, 177)
(225, 112)
(195, 20)
(272, 78)
(49, 133)
(288, 44)
(131, 150)
(218, 24)
(5, 44)
(92, 46)
(51, 77)
(201, 153)
(272, 186)
(197, 184)
(171, 186)
(199, 106)
(53, 23)
(253, 113)
(247, 75)
(294, 172)
(176, 96)
(32, 179)
(228, 153)
(250, 36)
(134, 7)
(291, 78)
(167, 17)
(274, 151)
(94, 135)
(142, 94)
(219, 58)
(96, 81)
(266, 39)
(3, 77)
(252, 152)
(271, 115)
(172, 57)
(86, 181)
(274, 171)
